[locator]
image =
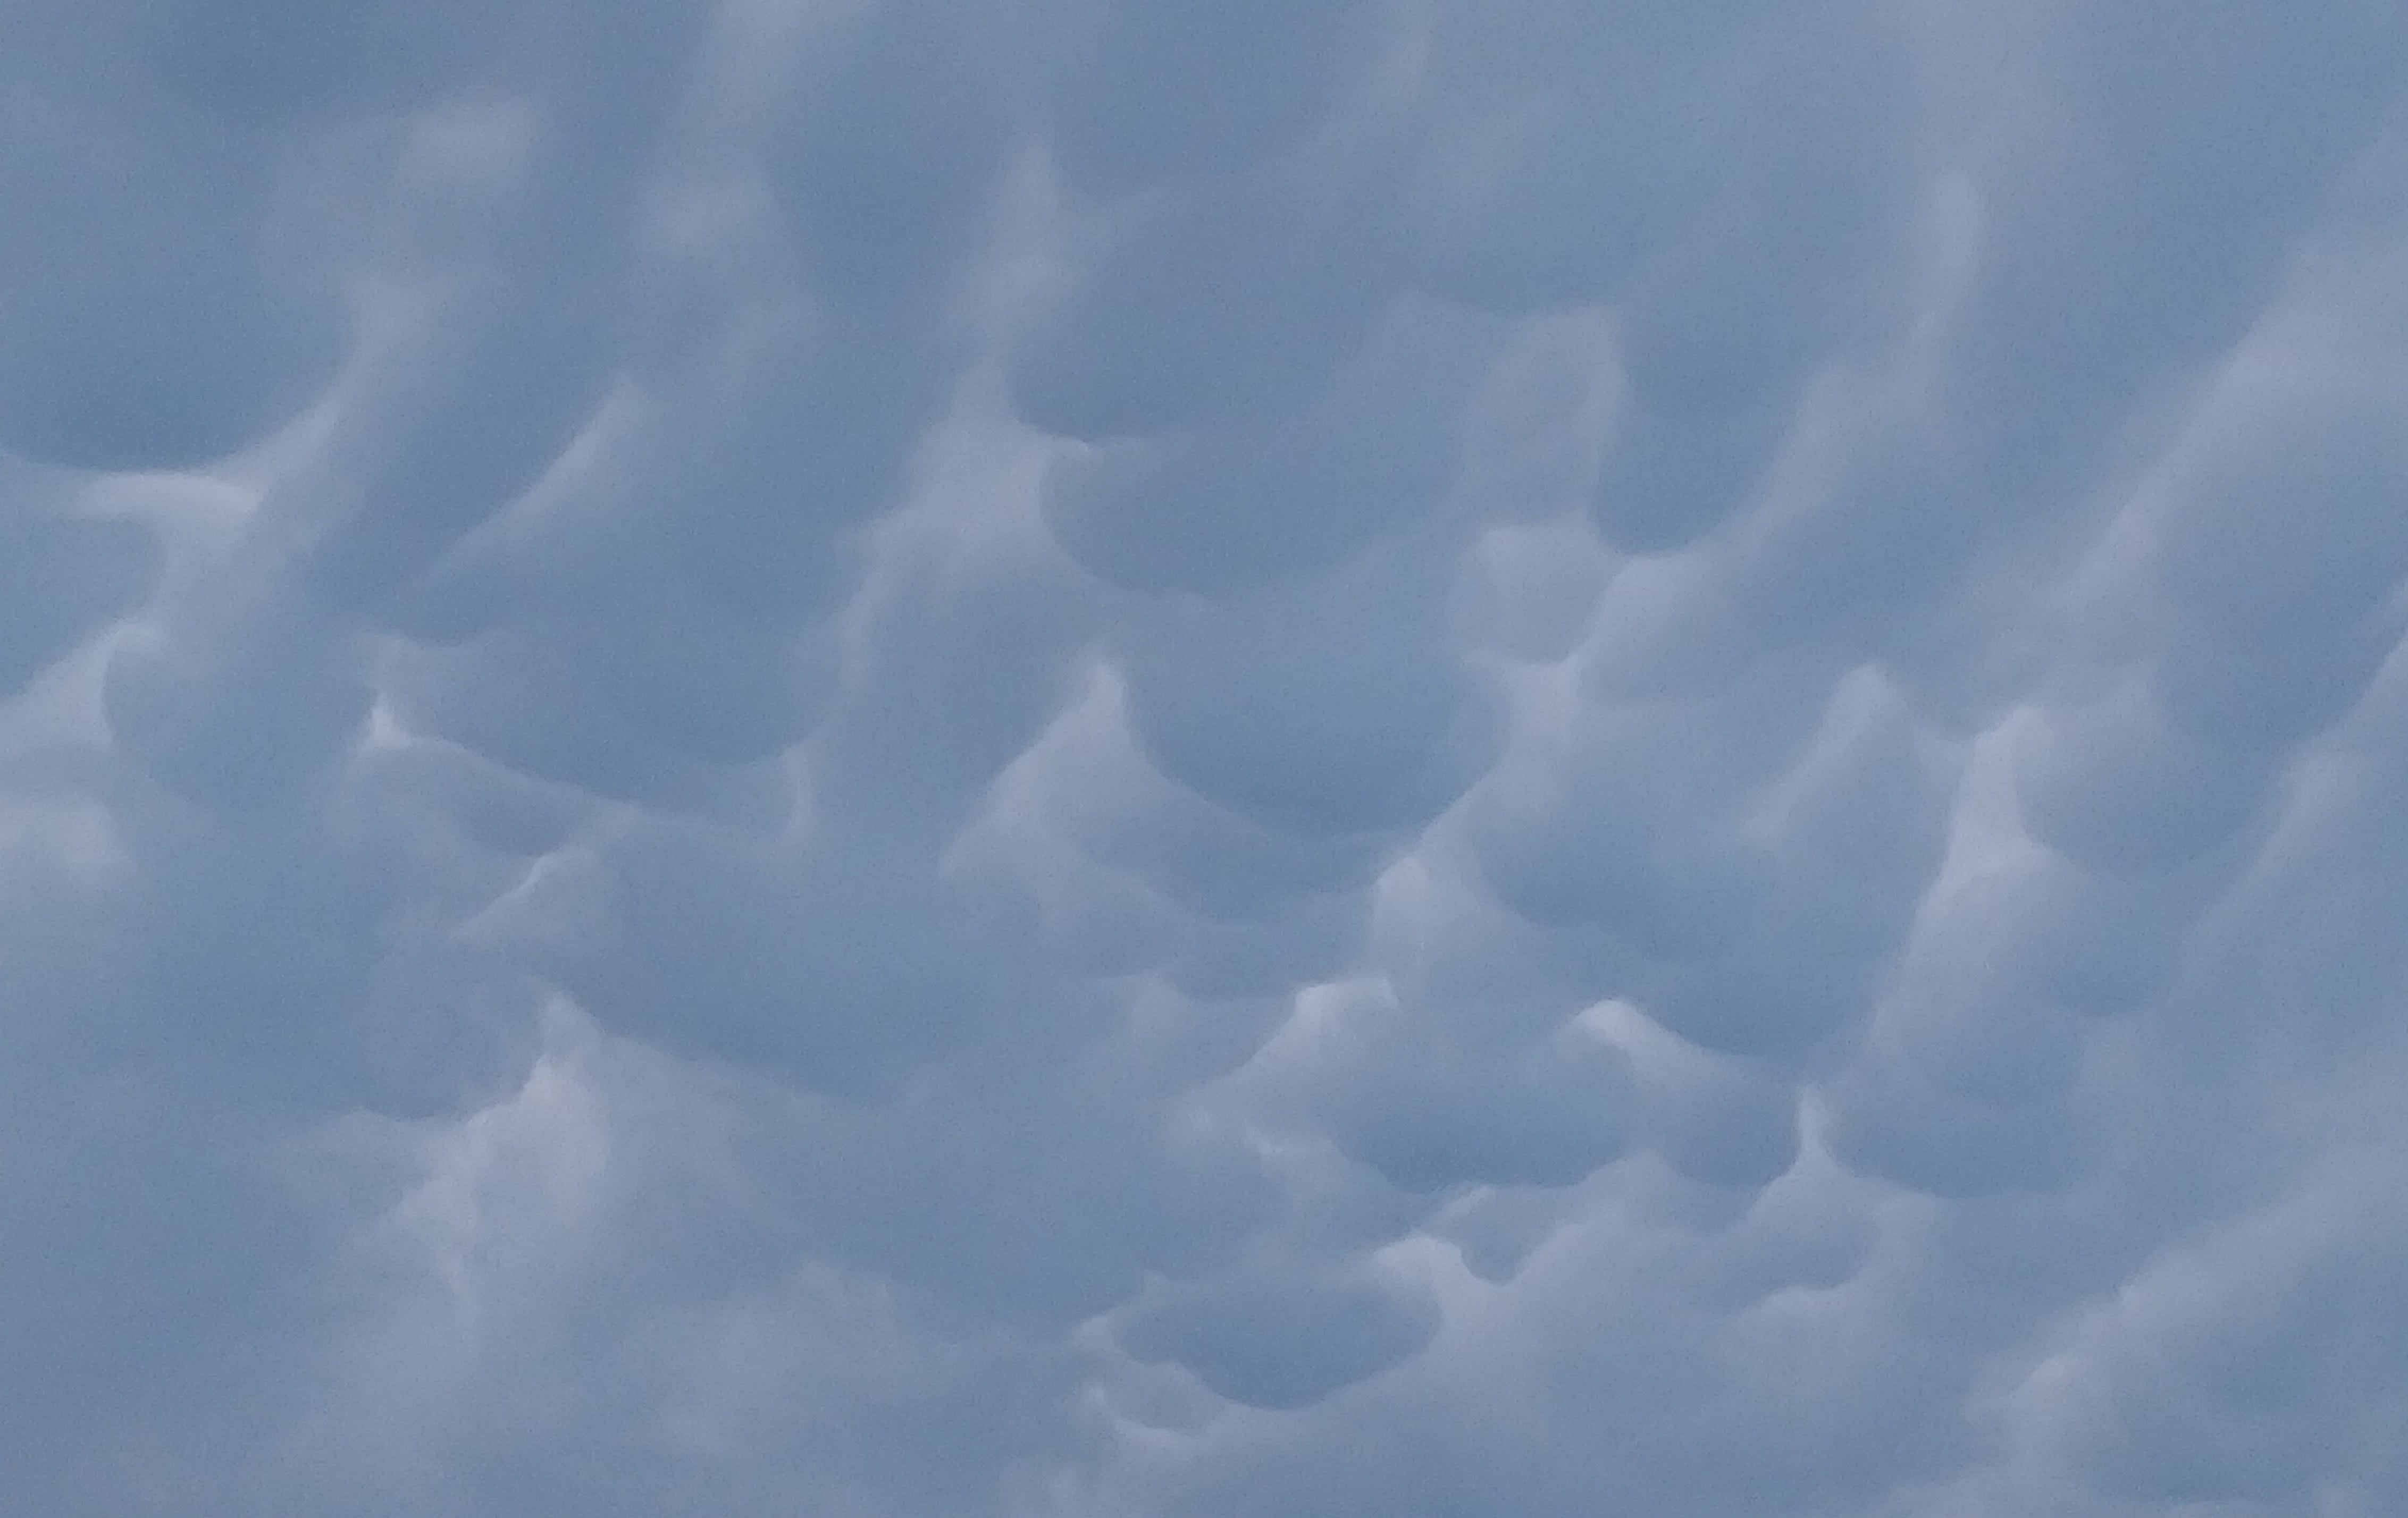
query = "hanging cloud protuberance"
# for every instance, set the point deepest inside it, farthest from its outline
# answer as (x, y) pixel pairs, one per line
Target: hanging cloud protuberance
(1060, 757)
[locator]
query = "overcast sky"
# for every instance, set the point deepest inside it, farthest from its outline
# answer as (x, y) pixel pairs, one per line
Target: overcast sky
(1204, 758)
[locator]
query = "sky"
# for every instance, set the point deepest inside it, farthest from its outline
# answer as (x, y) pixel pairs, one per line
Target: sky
(1139, 759)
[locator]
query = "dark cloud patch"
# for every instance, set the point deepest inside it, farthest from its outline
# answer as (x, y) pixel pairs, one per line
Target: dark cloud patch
(148, 324)
(1283, 1344)
(897, 131)
(1136, 96)
(1206, 510)
(1238, 298)
(66, 577)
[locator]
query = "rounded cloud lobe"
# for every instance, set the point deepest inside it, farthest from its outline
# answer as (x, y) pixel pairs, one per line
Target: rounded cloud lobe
(936, 756)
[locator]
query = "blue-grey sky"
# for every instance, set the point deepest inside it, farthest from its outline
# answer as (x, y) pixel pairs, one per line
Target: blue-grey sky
(1145, 759)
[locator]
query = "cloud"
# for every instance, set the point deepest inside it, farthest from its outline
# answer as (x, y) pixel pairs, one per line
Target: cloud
(914, 756)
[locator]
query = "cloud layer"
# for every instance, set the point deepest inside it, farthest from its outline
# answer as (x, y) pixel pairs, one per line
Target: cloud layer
(1075, 757)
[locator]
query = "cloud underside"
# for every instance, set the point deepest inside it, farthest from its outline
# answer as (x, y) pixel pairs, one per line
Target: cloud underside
(1091, 757)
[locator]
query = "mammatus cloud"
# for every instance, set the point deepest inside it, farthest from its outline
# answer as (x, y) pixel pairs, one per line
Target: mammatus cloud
(1078, 757)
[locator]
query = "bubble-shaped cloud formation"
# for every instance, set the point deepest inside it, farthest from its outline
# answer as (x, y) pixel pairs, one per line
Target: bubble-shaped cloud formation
(1089, 757)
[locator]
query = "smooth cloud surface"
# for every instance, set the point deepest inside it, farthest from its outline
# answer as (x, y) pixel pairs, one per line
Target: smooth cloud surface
(1079, 757)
